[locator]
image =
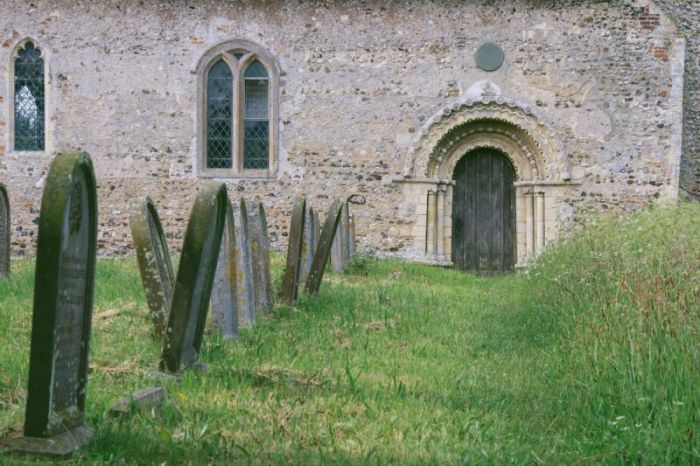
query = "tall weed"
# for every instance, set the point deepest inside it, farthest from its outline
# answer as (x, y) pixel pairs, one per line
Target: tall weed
(627, 293)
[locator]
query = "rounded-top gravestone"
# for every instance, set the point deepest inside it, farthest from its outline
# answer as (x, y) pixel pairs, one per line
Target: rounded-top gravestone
(62, 317)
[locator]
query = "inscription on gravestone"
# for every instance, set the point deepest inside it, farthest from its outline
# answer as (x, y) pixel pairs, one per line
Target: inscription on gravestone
(245, 296)
(323, 250)
(4, 232)
(195, 277)
(290, 285)
(260, 248)
(223, 299)
(154, 260)
(62, 317)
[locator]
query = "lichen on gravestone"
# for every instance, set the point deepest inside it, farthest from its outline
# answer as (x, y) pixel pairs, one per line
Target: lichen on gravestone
(260, 249)
(4, 232)
(153, 257)
(290, 284)
(195, 277)
(62, 315)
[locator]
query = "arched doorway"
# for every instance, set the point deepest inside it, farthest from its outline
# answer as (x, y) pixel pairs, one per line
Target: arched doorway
(483, 212)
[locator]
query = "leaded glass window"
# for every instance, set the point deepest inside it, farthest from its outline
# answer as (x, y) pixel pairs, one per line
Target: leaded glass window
(256, 122)
(219, 116)
(29, 99)
(240, 109)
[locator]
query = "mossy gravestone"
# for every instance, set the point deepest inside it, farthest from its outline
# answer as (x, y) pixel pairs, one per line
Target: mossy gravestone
(61, 322)
(4, 232)
(290, 284)
(260, 259)
(223, 297)
(154, 260)
(245, 295)
(195, 277)
(323, 250)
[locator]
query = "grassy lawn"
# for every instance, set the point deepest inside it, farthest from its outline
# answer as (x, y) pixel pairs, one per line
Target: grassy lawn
(397, 363)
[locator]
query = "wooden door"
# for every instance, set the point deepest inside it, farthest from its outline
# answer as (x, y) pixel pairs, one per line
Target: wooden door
(483, 213)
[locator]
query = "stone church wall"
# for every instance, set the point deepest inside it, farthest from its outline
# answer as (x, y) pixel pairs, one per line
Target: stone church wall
(358, 82)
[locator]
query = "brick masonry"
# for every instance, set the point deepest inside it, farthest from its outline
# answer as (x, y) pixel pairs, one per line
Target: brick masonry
(358, 82)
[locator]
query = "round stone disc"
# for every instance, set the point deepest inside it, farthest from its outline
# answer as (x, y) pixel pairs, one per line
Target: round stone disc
(489, 57)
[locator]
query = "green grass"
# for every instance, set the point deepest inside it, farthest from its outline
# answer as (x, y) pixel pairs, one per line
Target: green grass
(591, 357)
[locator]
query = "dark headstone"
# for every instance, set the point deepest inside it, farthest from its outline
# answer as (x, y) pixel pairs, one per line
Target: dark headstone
(154, 260)
(62, 317)
(290, 285)
(317, 231)
(260, 249)
(245, 304)
(307, 245)
(195, 277)
(4, 232)
(223, 297)
(323, 250)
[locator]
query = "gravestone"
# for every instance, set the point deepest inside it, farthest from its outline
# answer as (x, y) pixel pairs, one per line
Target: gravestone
(323, 250)
(4, 232)
(317, 231)
(62, 316)
(154, 261)
(307, 245)
(245, 297)
(195, 277)
(290, 284)
(353, 236)
(224, 317)
(260, 249)
(340, 249)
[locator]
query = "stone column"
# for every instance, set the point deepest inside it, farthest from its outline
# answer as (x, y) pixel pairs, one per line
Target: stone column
(539, 209)
(440, 237)
(529, 224)
(430, 225)
(448, 223)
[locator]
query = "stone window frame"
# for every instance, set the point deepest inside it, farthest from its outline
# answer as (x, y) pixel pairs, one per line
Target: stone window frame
(252, 52)
(48, 123)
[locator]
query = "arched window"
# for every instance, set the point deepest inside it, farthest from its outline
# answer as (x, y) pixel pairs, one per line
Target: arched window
(29, 105)
(238, 124)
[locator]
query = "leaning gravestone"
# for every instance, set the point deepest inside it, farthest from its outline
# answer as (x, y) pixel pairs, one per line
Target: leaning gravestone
(223, 297)
(154, 261)
(353, 236)
(290, 284)
(260, 249)
(245, 297)
(4, 232)
(307, 245)
(195, 276)
(323, 250)
(62, 317)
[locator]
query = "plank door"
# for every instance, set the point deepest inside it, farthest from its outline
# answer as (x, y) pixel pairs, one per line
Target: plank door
(483, 213)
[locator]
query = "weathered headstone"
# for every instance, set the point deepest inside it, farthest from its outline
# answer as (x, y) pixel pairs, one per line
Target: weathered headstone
(195, 277)
(245, 304)
(317, 231)
(62, 317)
(4, 232)
(290, 284)
(307, 245)
(154, 260)
(260, 249)
(340, 248)
(323, 250)
(143, 399)
(353, 236)
(223, 297)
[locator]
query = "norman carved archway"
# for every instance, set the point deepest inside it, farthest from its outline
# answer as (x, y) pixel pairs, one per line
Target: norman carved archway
(541, 170)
